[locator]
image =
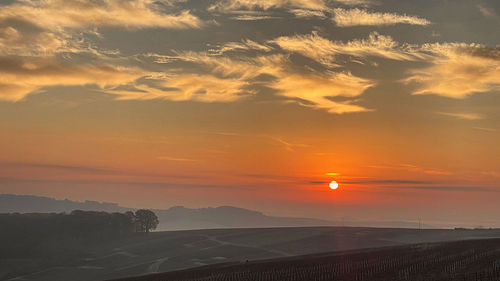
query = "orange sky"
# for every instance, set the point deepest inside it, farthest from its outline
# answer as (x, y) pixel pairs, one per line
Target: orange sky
(252, 105)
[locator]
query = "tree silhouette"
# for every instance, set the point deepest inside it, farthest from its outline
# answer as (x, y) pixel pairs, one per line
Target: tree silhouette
(146, 220)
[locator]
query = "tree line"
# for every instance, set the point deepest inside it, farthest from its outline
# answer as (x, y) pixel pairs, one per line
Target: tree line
(38, 234)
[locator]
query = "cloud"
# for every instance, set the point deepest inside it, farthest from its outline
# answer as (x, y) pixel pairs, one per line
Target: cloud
(412, 168)
(234, 5)
(465, 116)
(252, 17)
(214, 78)
(354, 17)
(246, 15)
(138, 184)
(458, 70)
(485, 129)
(131, 14)
(310, 89)
(225, 79)
(325, 51)
(48, 27)
(417, 184)
(316, 90)
(286, 144)
(15, 41)
(38, 40)
(356, 2)
(30, 41)
(168, 158)
(454, 70)
(242, 67)
(387, 181)
(305, 13)
(290, 146)
(454, 188)
(244, 45)
(183, 87)
(70, 168)
(486, 11)
(22, 76)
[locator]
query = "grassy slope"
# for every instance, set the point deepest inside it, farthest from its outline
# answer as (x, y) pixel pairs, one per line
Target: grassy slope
(471, 260)
(168, 251)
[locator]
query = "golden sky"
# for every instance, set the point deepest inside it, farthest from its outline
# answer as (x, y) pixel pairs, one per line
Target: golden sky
(256, 104)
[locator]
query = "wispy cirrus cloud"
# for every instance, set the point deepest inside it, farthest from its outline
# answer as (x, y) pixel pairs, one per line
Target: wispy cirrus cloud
(226, 72)
(249, 10)
(355, 17)
(310, 89)
(453, 188)
(20, 76)
(413, 168)
(235, 5)
(458, 70)
(356, 2)
(288, 145)
(211, 77)
(416, 184)
(316, 91)
(325, 51)
(387, 182)
(135, 14)
(14, 41)
(35, 28)
(39, 38)
(454, 70)
(464, 116)
(59, 167)
(189, 86)
(32, 27)
(485, 129)
(252, 17)
(486, 11)
(177, 159)
(305, 13)
(245, 45)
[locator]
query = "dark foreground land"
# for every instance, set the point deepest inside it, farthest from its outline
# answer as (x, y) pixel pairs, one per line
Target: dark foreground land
(474, 260)
(157, 252)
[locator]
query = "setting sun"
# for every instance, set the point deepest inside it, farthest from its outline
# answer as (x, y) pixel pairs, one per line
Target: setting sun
(334, 185)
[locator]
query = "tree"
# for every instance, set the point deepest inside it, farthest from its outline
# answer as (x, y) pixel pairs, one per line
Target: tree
(146, 220)
(133, 221)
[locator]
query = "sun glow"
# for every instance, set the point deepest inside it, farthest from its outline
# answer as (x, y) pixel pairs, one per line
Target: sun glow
(334, 185)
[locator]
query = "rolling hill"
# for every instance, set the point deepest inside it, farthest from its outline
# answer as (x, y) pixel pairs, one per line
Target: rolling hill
(177, 250)
(474, 260)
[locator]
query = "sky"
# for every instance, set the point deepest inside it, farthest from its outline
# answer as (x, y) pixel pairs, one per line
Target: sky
(256, 104)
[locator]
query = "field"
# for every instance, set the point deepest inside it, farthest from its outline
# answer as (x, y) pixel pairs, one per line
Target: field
(177, 250)
(473, 260)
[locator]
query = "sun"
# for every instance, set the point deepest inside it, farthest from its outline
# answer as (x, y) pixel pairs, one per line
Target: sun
(334, 185)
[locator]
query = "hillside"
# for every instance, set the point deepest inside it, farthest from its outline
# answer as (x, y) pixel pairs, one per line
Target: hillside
(182, 218)
(177, 250)
(475, 260)
(175, 218)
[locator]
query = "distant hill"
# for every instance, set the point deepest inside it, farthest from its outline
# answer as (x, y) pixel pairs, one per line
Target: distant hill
(182, 218)
(10, 203)
(226, 216)
(175, 218)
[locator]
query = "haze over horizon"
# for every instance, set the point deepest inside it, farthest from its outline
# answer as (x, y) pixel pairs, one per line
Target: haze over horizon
(256, 104)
